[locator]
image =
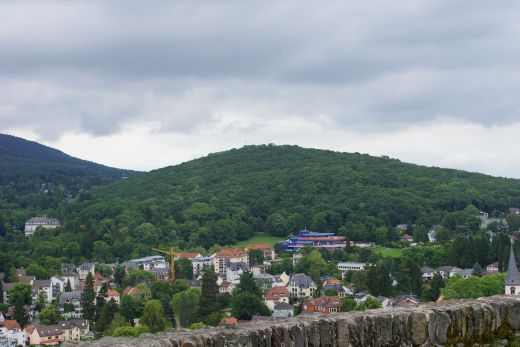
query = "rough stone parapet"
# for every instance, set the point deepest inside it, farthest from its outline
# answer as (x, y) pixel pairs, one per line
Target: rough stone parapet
(457, 322)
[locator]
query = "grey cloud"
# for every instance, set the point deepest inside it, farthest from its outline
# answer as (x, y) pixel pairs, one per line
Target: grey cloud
(98, 67)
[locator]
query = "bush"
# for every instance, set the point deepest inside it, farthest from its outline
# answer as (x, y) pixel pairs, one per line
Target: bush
(214, 318)
(196, 326)
(130, 331)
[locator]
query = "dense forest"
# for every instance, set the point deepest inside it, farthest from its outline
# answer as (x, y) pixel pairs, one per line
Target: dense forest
(227, 196)
(36, 179)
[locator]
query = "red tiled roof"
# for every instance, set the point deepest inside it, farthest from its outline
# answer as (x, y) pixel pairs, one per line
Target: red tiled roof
(331, 281)
(112, 292)
(324, 301)
(187, 255)
(231, 253)
(276, 293)
(10, 324)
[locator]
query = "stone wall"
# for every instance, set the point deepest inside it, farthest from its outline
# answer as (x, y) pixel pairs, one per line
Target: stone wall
(460, 322)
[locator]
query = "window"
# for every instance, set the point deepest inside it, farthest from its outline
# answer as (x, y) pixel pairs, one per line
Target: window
(513, 290)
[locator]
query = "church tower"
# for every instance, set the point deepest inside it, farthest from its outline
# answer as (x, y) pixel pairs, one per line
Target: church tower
(512, 285)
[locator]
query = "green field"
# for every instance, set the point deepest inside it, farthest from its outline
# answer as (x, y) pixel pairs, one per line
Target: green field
(389, 252)
(258, 238)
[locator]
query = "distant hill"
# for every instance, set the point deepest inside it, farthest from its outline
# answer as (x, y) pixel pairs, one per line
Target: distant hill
(227, 196)
(34, 175)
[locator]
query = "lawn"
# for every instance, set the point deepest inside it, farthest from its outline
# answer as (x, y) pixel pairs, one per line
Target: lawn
(258, 238)
(389, 252)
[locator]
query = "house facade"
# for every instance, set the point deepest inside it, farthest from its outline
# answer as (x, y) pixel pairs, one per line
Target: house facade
(301, 286)
(32, 224)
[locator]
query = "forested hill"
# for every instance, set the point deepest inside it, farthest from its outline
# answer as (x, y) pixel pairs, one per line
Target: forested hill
(40, 177)
(279, 189)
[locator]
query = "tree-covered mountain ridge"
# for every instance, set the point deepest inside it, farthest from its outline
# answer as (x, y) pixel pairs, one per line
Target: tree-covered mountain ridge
(37, 176)
(227, 196)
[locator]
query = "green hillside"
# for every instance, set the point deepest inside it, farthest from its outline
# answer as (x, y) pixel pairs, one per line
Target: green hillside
(228, 197)
(38, 178)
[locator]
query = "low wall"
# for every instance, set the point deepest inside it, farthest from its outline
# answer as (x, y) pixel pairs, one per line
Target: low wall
(463, 322)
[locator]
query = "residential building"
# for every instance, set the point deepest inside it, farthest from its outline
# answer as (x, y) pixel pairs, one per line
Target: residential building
(69, 304)
(235, 270)
(427, 274)
(84, 269)
(150, 262)
(162, 274)
(223, 258)
(267, 250)
(323, 304)
(41, 287)
(275, 296)
(46, 335)
(283, 310)
(59, 283)
(307, 238)
(11, 334)
(200, 264)
(114, 294)
(301, 286)
(226, 287)
(32, 224)
(493, 267)
(68, 267)
(432, 233)
(296, 257)
(407, 238)
(405, 301)
(281, 280)
(74, 330)
(264, 281)
(346, 266)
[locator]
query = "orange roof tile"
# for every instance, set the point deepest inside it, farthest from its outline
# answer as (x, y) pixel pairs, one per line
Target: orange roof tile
(10, 324)
(277, 293)
(112, 292)
(187, 255)
(231, 253)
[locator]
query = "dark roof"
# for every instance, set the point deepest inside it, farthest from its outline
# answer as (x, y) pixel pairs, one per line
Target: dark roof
(48, 330)
(283, 306)
(238, 266)
(512, 270)
(67, 296)
(74, 323)
(302, 280)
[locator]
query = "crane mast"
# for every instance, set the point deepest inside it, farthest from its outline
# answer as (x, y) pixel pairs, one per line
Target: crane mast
(171, 253)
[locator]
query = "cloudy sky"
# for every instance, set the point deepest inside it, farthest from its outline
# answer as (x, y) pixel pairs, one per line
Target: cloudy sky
(145, 84)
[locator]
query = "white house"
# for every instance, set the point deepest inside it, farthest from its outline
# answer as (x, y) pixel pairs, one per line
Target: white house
(276, 296)
(234, 271)
(44, 287)
(84, 269)
(32, 224)
(70, 304)
(283, 310)
(12, 335)
(344, 267)
(151, 262)
(59, 283)
(301, 286)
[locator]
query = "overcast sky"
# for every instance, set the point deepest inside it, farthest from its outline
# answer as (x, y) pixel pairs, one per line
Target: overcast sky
(146, 84)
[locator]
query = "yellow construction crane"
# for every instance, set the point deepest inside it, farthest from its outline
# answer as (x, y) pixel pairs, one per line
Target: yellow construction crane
(171, 253)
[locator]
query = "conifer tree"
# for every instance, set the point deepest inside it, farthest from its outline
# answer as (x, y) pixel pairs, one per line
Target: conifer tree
(87, 298)
(68, 286)
(208, 299)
